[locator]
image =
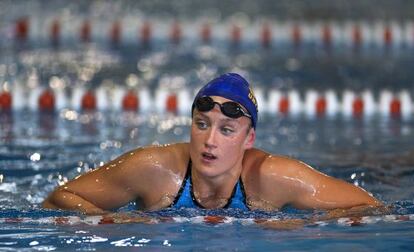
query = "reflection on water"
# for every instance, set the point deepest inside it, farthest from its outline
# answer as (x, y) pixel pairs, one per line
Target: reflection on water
(40, 150)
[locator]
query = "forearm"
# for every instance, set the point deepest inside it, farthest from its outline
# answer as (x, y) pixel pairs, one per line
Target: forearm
(354, 212)
(349, 196)
(62, 199)
(330, 193)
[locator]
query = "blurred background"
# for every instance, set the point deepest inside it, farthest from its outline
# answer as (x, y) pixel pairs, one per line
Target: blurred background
(321, 9)
(357, 45)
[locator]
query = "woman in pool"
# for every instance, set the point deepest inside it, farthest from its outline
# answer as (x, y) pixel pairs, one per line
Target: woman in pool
(218, 168)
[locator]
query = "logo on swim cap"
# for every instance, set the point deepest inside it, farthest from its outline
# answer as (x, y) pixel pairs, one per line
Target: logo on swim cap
(233, 87)
(252, 97)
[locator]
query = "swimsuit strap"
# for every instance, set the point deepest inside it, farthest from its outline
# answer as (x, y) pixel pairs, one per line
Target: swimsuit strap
(185, 196)
(184, 184)
(238, 197)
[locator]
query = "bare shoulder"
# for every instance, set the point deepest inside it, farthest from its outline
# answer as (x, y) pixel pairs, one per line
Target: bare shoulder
(133, 176)
(266, 172)
(171, 157)
(144, 164)
(263, 162)
(271, 181)
(145, 168)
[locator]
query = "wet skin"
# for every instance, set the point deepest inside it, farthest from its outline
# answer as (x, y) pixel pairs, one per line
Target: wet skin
(221, 150)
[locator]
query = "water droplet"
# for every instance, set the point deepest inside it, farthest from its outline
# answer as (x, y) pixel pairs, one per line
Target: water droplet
(34, 243)
(166, 243)
(35, 157)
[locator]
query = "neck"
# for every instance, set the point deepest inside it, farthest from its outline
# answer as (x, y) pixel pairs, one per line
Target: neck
(217, 187)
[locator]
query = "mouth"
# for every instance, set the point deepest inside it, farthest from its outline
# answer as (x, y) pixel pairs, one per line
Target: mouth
(208, 157)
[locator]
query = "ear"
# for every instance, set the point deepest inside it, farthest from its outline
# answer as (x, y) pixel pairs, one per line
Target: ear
(250, 138)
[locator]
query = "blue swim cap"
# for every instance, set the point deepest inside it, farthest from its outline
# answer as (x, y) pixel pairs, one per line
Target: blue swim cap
(233, 87)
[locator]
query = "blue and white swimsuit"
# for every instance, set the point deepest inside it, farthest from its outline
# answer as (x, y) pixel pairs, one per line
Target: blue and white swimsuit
(185, 196)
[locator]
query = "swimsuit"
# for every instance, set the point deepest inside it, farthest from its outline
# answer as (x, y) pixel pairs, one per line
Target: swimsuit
(185, 196)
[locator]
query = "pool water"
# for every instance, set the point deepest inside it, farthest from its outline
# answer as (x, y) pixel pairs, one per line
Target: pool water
(40, 151)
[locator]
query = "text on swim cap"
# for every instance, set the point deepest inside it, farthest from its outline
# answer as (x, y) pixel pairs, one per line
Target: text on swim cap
(252, 97)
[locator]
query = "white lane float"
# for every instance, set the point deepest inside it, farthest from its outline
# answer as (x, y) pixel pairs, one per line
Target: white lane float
(275, 222)
(389, 104)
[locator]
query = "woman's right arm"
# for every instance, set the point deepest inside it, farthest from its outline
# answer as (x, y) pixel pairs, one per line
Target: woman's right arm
(61, 199)
(111, 186)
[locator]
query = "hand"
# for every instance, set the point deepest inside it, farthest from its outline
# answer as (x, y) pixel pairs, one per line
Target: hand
(358, 211)
(123, 218)
(289, 224)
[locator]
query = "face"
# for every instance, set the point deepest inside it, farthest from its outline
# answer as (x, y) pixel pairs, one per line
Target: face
(218, 142)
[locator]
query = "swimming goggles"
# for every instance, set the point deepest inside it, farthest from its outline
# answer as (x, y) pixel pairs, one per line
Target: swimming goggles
(229, 109)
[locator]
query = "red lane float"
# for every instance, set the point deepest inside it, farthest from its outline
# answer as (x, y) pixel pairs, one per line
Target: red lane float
(88, 101)
(358, 107)
(326, 36)
(175, 33)
(296, 34)
(236, 34)
(321, 106)
(395, 107)
(85, 32)
(115, 33)
(130, 102)
(54, 33)
(387, 36)
(284, 105)
(22, 29)
(146, 33)
(5, 101)
(356, 36)
(46, 101)
(266, 35)
(205, 33)
(172, 103)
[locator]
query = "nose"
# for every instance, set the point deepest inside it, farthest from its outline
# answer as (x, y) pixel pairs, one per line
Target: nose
(211, 138)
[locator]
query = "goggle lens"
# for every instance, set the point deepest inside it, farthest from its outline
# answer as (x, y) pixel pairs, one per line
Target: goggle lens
(229, 109)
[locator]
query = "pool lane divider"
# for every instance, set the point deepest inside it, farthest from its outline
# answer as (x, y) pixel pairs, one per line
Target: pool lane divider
(352, 34)
(209, 220)
(311, 103)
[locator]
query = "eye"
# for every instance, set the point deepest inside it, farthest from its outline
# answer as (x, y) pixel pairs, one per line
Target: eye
(201, 124)
(226, 130)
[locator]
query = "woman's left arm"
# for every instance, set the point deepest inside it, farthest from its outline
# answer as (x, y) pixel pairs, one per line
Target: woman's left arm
(311, 189)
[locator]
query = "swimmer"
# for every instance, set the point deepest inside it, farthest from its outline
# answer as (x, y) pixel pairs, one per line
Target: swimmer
(218, 168)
